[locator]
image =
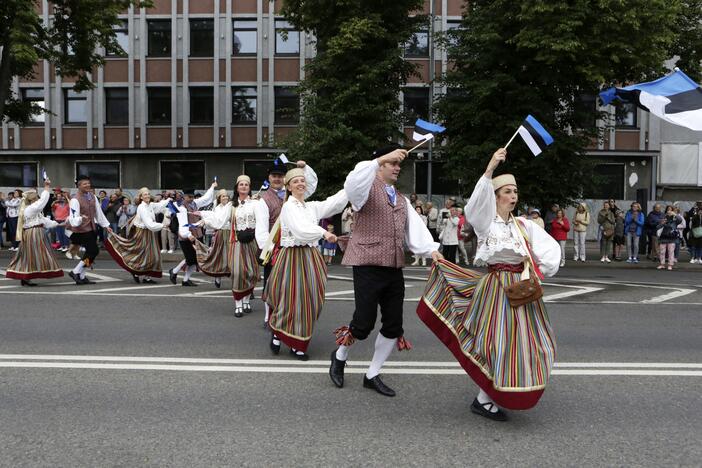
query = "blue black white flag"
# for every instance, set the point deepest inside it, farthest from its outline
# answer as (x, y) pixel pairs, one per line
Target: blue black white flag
(534, 135)
(172, 208)
(44, 176)
(674, 98)
(424, 130)
(283, 158)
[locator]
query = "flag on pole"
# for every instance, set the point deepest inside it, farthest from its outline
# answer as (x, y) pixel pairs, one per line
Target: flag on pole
(172, 208)
(674, 98)
(534, 135)
(424, 130)
(283, 158)
(44, 174)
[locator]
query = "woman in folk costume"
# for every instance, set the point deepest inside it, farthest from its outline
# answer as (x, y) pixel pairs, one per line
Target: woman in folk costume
(295, 289)
(139, 253)
(214, 260)
(508, 350)
(244, 250)
(34, 259)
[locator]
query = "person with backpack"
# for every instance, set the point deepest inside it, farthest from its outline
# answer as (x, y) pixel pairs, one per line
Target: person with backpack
(667, 234)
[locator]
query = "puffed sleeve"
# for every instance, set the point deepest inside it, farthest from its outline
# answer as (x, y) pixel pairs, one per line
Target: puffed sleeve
(331, 206)
(217, 218)
(48, 222)
(545, 249)
(311, 181)
(146, 215)
(182, 216)
(206, 199)
(292, 215)
(359, 181)
(74, 217)
(481, 207)
(37, 206)
(262, 223)
(417, 236)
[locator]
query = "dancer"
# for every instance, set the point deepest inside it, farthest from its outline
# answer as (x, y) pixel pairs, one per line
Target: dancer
(385, 222)
(268, 211)
(35, 258)
(295, 290)
(508, 350)
(139, 252)
(189, 231)
(214, 260)
(245, 268)
(84, 218)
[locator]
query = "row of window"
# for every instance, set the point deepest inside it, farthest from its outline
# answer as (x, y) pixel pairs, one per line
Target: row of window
(202, 105)
(202, 40)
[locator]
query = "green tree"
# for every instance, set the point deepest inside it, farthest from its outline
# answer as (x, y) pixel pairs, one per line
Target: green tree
(351, 88)
(69, 42)
(543, 57)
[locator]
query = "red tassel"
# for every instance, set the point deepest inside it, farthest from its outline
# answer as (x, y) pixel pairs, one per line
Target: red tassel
(344, 336)
(403, 344)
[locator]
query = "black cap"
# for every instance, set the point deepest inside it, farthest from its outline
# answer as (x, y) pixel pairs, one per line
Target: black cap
(81, 177)
(278, 167)
(190, 192)
(390, 147)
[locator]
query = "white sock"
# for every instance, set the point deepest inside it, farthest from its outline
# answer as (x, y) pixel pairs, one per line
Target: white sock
(276, 341)
(179, 267)
(218, 280)
(78, 270)
(342, 353)
(82, 275)
(188, 272)
(237, 303)
(268, 313)
(484, 398)
(247, 300)
(383, 348)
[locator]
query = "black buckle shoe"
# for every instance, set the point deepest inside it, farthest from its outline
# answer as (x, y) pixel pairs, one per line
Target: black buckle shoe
(218, 283)
(136, 279)
(484, 409)
(247, 308)
(86, 281)
(75, 278)
(275, 347)
(27, 283)
(301, 357)
(148, 280)
(336, 370)
(238, 312)
(189, 283)
(376, 384)
(173, 276)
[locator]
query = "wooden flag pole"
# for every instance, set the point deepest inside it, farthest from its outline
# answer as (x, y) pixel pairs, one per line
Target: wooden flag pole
(513, 136)
(417, 146)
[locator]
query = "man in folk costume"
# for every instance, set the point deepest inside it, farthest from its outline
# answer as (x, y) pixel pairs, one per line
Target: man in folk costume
(267, 213)
(189, 231)
(385, 223)
(84, 217)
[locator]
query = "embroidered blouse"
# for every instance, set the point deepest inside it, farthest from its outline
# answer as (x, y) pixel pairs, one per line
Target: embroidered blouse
(219, 218)
(34, 213)
(299, 221)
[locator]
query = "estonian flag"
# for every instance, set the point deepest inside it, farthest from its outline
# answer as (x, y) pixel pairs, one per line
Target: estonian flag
(534, 135)
(172, 208)
(674, 98)
(424, 130)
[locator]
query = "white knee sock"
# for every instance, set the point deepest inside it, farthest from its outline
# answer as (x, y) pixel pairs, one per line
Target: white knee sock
(268, 313)
(179, 267)
(342, 353)
(383, 348)
(484, 398)
(78, 270)
(247, 300)
(238, 303)
(189, 271)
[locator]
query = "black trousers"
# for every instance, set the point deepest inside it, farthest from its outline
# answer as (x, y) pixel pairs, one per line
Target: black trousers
(449, 252)
(266, 273)
(188, 252)
(87, 240)
(377, 286)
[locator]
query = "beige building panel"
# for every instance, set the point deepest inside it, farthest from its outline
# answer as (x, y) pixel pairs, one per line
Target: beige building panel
(116, 138)
(158, 70)
(200, 70)
(201, 137)
(287, 69)
(74, 138)
(158, 137)
(31, 138)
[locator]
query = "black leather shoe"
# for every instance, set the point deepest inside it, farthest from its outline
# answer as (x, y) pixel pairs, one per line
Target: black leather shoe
(75, 278)
(27, 283)
(484, 410)
(148, 280)
(238, 312)
(86, 281)
(218, 283)
(247, 308)
(301, 357)
(173, 276)
(274, 347)
(376, 384)
(136, 279)
(189, 283)
(336, 370)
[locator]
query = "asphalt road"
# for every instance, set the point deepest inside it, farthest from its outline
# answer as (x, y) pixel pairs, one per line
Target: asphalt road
(120, 374)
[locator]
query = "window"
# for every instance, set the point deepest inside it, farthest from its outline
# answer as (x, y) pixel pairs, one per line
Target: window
(586, 111)
(36, 97)
(201, 38)
(116, 106)
(626, 115)
(610, 184)
(244, 37)
(102, 174)
(159, 38)
(287, 39)
(76, 107)
(159, 105)
(18, 174)
(418, 45)
(122, 38)
(202, 105)
(416, 104)
(258, 171)
(451, 33)
(287, 105)
(243, 105)
(183, 174)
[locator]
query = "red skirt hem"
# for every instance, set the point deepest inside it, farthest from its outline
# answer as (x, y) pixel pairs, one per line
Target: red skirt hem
(299, 345)
(36, 275)
(115, 256)
(509, 400)
(240, 295)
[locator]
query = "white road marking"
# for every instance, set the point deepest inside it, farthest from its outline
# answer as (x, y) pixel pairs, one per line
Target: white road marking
(579, 290)
(671, 295)
(128, 288)
(343, 278)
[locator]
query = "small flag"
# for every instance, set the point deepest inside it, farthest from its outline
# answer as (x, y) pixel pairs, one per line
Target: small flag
(265, 185)
(424, 130)
(215, 178)
(534, 135)
(191, 225)
(73, 212)
(44, 175)
(283, 159)
(172, 208)
(675, 98)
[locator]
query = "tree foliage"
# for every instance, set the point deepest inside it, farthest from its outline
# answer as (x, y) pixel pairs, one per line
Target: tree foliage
(351, 88)
(540, 57)
(70, 42)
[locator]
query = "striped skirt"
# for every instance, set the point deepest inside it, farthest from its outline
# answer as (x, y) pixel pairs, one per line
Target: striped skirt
(139, 254)
(214, 260)
(245, 268)
(34, 259)
(295, 292)
(509, 352)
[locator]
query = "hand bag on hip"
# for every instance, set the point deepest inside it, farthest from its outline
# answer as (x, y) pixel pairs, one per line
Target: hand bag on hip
(527, 290)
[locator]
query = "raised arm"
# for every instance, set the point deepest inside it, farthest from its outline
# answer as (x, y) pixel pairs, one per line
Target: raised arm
(360, 180)
(311, 180)
(38, 205)
(207, 198)
(331, 206)
(481, 208)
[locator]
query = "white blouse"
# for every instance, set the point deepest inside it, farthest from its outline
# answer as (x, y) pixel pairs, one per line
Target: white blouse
(500, 241)
(299, 221)
(246, 214)
(34, 213)
(146, 215)
(219, 218)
